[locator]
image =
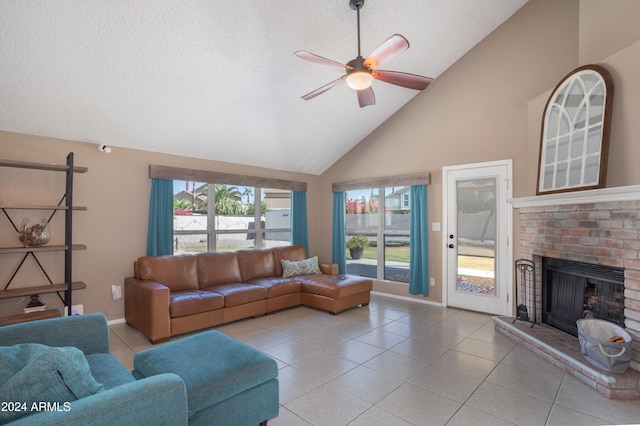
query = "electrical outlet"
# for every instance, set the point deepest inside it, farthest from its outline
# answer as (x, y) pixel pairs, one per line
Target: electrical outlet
(75, 310)
(116, 292)
(432, 282)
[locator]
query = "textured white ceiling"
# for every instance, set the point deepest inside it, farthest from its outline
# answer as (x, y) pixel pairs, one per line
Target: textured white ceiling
(217, 79)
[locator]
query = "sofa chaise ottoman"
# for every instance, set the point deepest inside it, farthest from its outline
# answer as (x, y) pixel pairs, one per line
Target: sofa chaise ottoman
(228, 382)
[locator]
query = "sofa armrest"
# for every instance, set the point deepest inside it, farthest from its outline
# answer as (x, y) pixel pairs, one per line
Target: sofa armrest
(157, 400)
(89, 333)
(329, 268)
(146, 307)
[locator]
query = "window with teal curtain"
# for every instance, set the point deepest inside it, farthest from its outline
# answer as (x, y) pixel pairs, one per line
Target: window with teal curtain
(419, 244)
(338, 248)
(299, 232)
(160, 234)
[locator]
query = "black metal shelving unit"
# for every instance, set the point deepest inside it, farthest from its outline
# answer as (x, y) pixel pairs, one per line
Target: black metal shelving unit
(66, 205)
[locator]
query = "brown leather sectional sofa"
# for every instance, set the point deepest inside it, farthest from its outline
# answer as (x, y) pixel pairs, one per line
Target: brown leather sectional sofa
(172, 295)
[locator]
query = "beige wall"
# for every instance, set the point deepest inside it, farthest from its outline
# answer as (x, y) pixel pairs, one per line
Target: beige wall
(114, 228)
(485, 107)
(606, 27)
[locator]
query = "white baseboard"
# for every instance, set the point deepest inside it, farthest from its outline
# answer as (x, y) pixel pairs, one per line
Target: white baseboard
(408, 299)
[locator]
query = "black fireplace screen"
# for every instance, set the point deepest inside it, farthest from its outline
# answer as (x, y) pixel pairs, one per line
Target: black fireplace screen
(573, 290)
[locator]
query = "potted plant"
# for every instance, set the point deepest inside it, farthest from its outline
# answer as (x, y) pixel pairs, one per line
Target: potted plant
(356, 245)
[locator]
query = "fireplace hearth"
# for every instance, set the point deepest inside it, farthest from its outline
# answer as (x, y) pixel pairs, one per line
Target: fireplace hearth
(572, 290)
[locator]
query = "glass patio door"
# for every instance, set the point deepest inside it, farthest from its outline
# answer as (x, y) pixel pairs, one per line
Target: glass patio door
(478, 230)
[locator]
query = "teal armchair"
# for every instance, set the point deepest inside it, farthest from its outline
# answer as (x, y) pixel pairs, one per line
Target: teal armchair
(123, 400)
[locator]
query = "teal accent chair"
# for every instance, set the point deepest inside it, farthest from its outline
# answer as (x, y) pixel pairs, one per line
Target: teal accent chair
(157, 400)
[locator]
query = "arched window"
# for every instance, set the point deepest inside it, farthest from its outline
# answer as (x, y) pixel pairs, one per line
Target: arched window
(575, 132)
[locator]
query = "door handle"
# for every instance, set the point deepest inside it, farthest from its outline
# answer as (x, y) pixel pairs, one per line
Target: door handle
(451, 246)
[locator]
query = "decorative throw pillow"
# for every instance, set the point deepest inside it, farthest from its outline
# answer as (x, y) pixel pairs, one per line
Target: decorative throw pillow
(300, 267)
(35, 375)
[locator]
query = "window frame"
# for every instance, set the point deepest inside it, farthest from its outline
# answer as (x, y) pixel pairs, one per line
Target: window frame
(212, 178)
(381, 231)
(406, 201)
(380, 184)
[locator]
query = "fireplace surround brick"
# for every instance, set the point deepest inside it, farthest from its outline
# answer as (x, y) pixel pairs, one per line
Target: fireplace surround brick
(606, 233)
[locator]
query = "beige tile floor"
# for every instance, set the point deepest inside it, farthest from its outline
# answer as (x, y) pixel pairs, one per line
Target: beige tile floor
(398, 362)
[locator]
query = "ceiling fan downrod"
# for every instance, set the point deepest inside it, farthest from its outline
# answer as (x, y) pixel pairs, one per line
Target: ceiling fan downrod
(357, 5)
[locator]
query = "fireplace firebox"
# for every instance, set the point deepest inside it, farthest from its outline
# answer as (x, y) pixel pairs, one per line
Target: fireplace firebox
(573, 290)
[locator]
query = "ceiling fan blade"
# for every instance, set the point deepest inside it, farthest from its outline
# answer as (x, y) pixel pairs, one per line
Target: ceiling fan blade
(366, 97)
(410, 81)
(323, 89)
(312, 57)
(389, 49)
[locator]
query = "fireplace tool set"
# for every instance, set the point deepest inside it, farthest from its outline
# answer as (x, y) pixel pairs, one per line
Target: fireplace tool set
(525, 283)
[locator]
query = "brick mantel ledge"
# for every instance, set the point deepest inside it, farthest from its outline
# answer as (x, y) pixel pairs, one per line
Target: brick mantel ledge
(603, 195)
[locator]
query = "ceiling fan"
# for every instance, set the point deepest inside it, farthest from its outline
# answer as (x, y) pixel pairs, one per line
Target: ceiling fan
(360, 72)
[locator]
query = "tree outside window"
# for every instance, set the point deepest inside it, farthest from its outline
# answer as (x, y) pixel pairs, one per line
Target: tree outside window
(239, 222)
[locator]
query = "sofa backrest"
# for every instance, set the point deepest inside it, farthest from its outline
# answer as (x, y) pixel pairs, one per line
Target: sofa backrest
(291, 253)
(178, 272)
(218, 268)
(257, 263)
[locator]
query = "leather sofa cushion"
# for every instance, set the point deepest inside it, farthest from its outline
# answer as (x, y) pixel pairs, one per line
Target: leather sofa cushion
(334, 286)
(291, 253)
(239, 293)
(329, 268)
(218, 268)
(278, 286)
(183, 303)
(178, 272)
(256, 264)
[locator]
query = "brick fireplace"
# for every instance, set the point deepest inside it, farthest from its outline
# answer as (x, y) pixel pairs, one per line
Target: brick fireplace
(600, 227)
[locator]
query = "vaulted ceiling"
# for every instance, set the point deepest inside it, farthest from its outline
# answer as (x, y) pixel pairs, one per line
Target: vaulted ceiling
(218, 79)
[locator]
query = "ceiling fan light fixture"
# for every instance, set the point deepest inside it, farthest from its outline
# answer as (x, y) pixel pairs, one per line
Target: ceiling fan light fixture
(359, 80)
